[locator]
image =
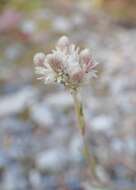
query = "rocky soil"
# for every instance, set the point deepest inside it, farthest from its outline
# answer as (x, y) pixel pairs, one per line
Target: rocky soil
(40, 148)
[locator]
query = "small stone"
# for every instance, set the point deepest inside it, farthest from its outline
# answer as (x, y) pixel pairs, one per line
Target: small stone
(76, 147)
(102, 123)
(35, 178)
(61, 24)
(29, 26)
(74, 184)
(60, 100)
(53, 160)
(15, 127)
(14, 179)
(17, 102)
(3, 160)
(50, 182)
(42, 115)
(117, 145)
(131, 145)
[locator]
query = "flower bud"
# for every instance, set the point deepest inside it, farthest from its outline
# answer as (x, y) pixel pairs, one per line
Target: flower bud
(55, 61)
(85, 56)
(39, 59)
(86, 60)
(63, 43)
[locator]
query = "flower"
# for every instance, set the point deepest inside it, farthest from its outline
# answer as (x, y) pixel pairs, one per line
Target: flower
(66, 64)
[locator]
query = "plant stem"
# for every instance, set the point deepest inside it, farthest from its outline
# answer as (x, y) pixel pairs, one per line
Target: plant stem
(82, 128)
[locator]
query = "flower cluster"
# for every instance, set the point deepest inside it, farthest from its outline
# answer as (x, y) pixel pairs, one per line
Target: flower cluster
(66, 64)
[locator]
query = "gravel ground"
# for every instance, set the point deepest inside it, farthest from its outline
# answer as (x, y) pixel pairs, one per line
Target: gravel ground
(40, 148)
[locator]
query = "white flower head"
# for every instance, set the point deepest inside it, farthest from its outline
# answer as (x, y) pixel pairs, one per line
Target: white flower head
(66, 64)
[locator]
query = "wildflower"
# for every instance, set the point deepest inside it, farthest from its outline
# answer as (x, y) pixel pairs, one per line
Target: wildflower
(66, 64)
(72, 67)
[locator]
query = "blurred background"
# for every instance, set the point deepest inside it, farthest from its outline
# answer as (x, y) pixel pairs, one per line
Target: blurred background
(40, 148)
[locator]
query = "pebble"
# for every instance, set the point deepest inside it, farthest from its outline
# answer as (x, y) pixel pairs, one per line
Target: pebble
(53, 160)
(75, 148)
(60, 100)
(4, 160)
(61, 24)
(14, 179)
(14, 126)
(42, 115)
(74, 184)
(17, 102)
(102, 123)
(35, 178)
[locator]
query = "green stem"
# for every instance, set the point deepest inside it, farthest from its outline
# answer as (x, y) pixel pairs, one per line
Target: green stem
(79, 112)
(82, 127)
